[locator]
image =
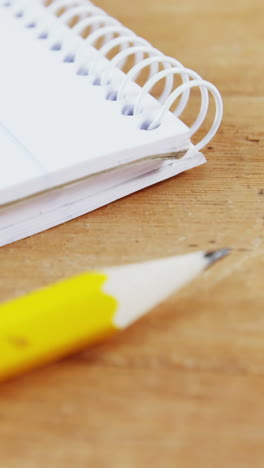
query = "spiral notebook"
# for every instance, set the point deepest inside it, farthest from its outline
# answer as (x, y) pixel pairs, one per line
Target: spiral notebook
(77, 131)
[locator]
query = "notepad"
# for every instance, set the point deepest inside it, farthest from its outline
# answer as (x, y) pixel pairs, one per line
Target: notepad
(77, 130)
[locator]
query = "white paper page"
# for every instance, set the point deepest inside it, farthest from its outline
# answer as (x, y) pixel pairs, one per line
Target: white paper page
(16, 162)
(66, 125)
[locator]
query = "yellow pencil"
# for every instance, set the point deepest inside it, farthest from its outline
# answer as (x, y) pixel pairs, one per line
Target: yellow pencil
(63, 318)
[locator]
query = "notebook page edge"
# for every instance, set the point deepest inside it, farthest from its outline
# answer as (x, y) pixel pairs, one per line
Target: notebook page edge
(80, 207)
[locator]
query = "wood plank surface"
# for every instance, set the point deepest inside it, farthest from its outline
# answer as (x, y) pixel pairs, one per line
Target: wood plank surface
(184, 387)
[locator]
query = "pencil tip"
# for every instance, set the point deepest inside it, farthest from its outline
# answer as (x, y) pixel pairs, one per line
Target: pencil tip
(216, 255)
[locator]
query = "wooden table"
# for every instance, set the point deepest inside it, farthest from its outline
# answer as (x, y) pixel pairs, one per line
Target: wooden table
(183, 387)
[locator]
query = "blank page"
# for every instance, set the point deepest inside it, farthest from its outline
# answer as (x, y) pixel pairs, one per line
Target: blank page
(59, 126)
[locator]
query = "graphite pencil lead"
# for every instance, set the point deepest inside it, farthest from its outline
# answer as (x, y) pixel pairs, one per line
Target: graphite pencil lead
(216, 255)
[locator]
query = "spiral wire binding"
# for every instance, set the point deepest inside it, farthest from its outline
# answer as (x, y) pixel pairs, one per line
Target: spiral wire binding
(92, 60)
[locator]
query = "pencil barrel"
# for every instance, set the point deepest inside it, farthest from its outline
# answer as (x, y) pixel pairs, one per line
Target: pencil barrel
(54, 322)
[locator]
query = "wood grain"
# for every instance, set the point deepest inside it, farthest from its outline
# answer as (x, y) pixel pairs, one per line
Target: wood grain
(183, 387)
